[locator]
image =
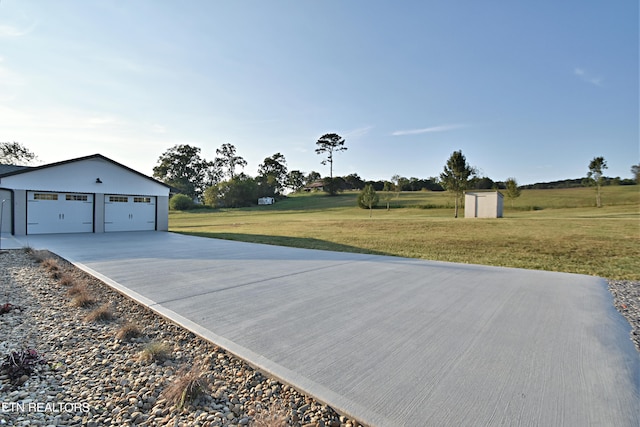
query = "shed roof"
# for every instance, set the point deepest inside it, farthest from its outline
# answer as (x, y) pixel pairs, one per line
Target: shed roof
(316, 184)
(484, 192)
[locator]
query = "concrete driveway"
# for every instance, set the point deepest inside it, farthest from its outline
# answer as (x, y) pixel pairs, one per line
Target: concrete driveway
(389, 341)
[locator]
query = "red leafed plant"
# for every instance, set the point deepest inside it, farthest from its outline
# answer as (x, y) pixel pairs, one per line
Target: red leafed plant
(19, 363)
(7, 307)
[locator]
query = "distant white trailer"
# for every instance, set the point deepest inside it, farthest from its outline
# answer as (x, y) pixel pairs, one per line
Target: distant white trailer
(266, 201)
(483, 204)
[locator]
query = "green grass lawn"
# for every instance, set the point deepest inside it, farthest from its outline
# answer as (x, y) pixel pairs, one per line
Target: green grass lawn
(556, 230)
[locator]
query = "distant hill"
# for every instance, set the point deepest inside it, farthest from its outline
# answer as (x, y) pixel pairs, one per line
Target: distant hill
(573, 183)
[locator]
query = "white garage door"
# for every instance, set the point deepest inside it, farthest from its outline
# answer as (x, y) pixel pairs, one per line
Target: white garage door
(129, 213)
(59, 213)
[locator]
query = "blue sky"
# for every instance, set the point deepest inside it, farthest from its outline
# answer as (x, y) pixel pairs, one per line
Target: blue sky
(532, 90)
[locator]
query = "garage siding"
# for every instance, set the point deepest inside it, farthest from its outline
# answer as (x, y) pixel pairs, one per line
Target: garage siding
(96, 177)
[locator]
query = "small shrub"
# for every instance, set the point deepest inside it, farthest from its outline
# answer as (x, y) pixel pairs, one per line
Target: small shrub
(273, 417)
(368, 198)
(128, 331)
(27, 250)
(50, 264)
(102, 313)
(155, 351)
(22, 363)
(40, 255)
(77, 288)
(187, 386)
(181, 202)
(66, 280)
(527, 208)
(82, 299)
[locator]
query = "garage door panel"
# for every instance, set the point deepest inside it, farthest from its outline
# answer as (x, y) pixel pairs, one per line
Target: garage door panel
(144, 213)
(49, 213)
(79, 210)
(116, 212)
(129, 213)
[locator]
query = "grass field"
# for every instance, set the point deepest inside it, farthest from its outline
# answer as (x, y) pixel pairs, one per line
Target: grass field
(555, 230)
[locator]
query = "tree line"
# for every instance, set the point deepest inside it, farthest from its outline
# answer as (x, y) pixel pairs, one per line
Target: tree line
(221, 182)
(218, 183)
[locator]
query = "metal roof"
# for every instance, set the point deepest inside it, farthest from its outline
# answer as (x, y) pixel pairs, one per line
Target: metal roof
(23, 169)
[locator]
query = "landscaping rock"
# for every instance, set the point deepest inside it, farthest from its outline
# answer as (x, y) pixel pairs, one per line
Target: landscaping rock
(93, 378)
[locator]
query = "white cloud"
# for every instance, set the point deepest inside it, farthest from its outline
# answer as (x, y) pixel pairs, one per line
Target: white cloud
(355, 133)
(96, 121)
(158, 128)
(7, 30)
(18, 19)
(587, 77)
(441, 128)
(10, 31)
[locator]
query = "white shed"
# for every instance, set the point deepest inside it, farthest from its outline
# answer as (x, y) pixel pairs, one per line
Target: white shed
(266, 201)
(483, 204)
(90, 194)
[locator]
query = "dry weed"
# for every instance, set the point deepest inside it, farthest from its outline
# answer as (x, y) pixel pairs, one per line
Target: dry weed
(82, 299)
(52, 267)
(78, 288)
(66, 280)
(276, 416)
(187, 386)
(155, 351)
(102, 313)
(40, 255)
(127, 331)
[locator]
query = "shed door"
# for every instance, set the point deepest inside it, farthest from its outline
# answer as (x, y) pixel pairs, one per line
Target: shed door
(129, 213)
(59, 213)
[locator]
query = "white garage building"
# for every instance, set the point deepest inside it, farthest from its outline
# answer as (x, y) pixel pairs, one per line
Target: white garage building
(90, 194)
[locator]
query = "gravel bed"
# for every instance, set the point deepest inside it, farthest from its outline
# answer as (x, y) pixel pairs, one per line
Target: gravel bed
(626, 298)
(92, 378)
